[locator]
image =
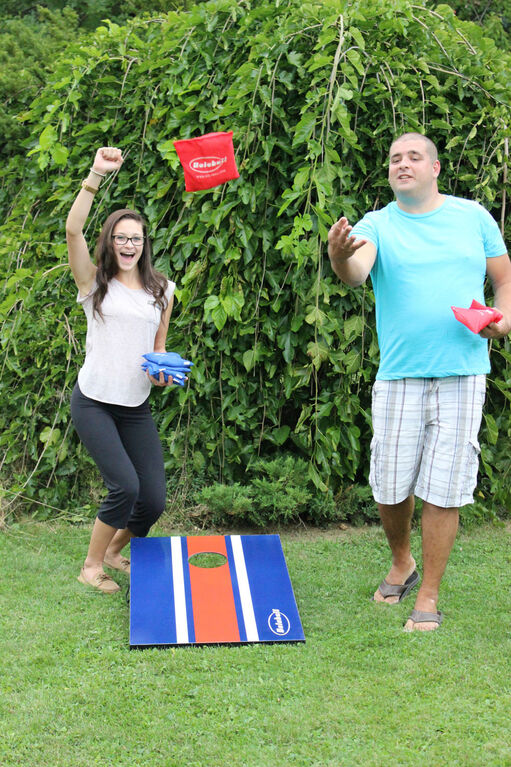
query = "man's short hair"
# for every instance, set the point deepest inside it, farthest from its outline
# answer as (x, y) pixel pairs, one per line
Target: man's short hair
(430, 146)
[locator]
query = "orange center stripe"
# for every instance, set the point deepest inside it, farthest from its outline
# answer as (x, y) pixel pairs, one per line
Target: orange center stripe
(214, 613)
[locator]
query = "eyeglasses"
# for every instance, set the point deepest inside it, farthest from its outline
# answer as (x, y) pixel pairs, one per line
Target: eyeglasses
(121, 239)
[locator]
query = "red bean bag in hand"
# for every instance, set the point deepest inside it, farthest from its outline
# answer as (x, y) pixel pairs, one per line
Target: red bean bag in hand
(207, 160)
(477, 316)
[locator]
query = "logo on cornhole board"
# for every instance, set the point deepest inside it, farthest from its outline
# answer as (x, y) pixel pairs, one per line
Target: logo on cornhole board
(247, 598)
(207, 161)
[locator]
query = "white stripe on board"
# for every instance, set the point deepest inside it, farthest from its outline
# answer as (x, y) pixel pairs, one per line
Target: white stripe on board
(244, 588)
(179, 590)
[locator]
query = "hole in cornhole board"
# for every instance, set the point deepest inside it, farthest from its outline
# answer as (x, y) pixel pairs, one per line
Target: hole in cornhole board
(207, 559)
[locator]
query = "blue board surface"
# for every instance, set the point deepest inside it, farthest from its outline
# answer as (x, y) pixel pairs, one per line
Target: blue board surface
(249, 598)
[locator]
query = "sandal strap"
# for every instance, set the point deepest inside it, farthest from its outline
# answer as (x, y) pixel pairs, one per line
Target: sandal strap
(419, 616)
(391, 589)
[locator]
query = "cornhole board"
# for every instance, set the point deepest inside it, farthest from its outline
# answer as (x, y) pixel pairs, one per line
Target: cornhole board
(248, 598)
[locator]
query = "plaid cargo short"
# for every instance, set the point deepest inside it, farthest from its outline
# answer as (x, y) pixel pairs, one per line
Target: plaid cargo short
(425, 439)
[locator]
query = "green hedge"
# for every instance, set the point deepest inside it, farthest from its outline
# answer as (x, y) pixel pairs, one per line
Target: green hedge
(284, 353)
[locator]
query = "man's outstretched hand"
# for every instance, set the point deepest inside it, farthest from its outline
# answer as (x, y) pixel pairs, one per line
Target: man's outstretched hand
(341, 243)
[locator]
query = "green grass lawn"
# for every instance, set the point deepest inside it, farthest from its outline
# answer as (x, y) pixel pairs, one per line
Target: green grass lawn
(359, 692)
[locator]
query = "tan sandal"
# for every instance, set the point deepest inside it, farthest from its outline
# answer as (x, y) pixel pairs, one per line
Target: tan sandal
(124, 566)
(102, 582)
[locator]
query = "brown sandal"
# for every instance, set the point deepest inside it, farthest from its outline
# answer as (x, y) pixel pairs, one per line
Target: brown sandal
(400, 590)
(419, 616)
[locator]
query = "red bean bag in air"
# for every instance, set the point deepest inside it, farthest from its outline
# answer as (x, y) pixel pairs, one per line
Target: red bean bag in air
(477, 316)
(207, 160)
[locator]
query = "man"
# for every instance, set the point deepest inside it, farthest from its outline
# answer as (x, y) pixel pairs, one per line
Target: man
(425, 252)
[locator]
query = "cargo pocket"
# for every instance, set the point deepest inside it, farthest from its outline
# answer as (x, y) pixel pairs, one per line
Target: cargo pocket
(375, 472)
(471, 466)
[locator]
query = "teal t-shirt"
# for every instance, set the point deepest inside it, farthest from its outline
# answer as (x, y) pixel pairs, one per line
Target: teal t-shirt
(425, 264)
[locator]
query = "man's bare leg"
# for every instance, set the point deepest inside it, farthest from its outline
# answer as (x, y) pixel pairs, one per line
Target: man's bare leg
(397, 522)
(439, 528)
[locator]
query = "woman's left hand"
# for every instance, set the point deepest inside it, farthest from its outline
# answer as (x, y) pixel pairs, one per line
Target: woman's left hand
(161, 380)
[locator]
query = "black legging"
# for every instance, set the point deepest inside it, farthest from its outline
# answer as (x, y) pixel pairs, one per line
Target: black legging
(124, 443)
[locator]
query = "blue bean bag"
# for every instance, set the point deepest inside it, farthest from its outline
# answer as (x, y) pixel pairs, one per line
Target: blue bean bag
(168, 363)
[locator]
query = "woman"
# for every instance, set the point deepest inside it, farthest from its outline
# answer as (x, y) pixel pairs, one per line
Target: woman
(128, 306)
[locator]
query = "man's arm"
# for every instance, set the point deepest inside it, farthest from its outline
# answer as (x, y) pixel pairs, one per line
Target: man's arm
(351, 259)
(499, 272)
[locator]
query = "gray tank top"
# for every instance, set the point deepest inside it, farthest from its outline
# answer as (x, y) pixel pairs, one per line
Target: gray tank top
(116, 342)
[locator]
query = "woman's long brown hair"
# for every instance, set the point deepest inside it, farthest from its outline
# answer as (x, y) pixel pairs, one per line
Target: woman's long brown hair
(152, 281)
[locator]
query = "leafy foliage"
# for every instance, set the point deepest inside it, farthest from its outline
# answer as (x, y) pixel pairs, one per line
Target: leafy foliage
(27, 53)
(30, 37)
(494, 17)
(285, 354)
(278, 491)
(480, 10)
(90, 13)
